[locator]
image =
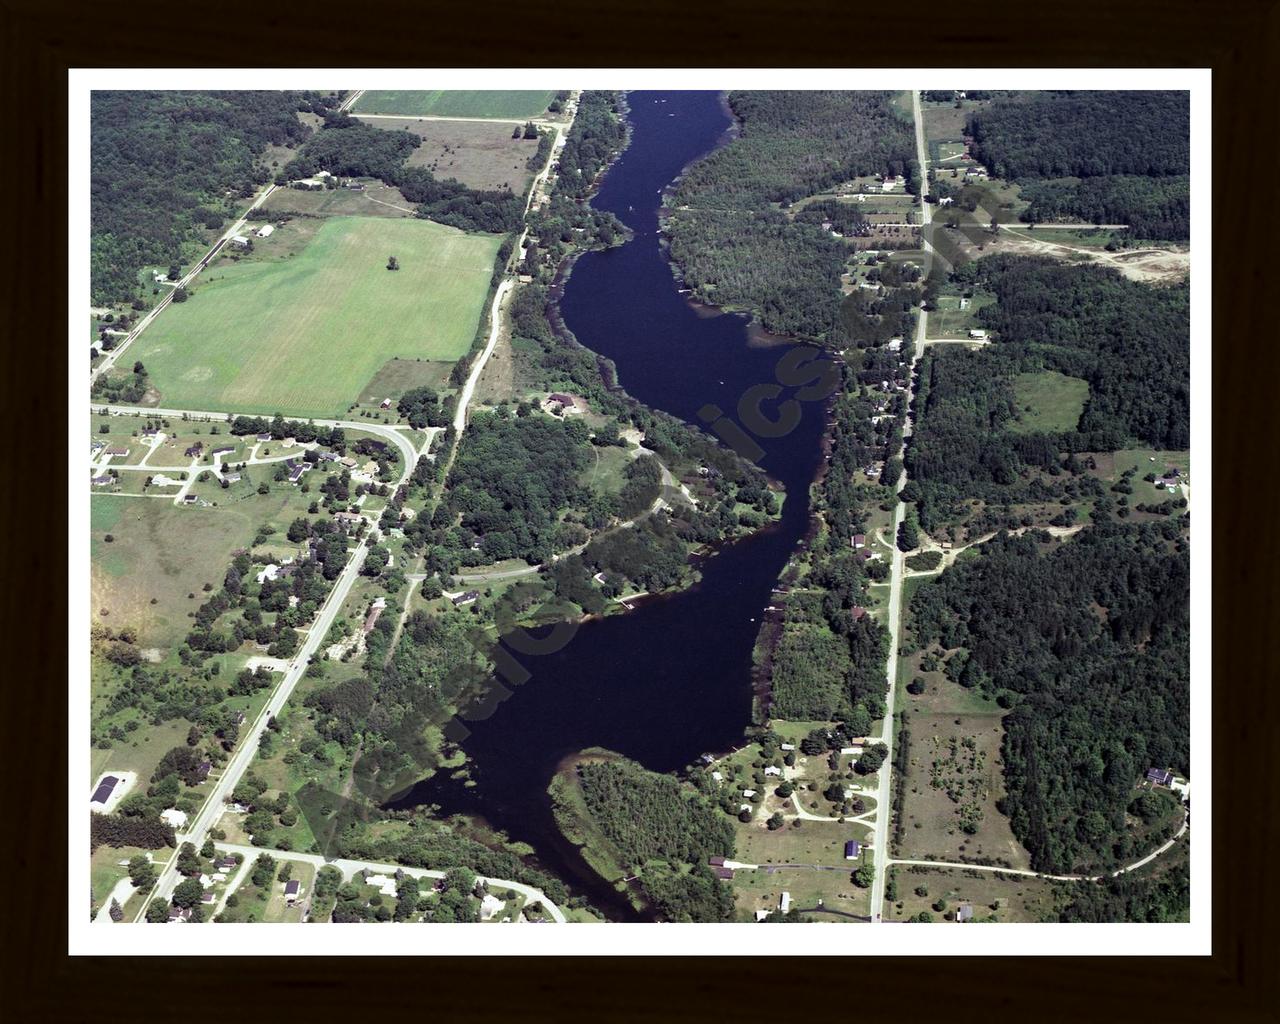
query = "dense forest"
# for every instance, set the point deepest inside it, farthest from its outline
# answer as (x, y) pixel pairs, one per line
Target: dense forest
(511, 479)
(1164, 896)
(1131, 150)
(1088, 642)
(735, 248)
(1152, 207)
(165, 164)
(1084, 134)
(665, 835)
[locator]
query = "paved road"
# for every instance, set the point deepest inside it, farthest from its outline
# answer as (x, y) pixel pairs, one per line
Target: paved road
(880, 843)
(350, 867)
(109, 360)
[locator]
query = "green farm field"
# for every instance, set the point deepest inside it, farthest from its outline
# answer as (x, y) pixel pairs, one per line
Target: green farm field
(456, 103)
(304, 335)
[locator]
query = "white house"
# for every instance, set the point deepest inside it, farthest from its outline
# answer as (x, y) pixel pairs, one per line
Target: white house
(977, 334)
(784, 901)
(772, 769)
(489, 906)
(269, 573)
(239, 241)
(174, 817)
(265, 230)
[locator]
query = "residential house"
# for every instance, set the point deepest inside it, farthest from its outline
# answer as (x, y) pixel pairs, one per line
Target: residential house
(105, 788)
(292, 890)
(858, 612)
(195, 451)
(117, 452)
(1160, 776)
(852, 850)
(859, 541)
(266, 230)
(784, 901)
(466, 597)
(348, 520)
(239, 241)
(964, 912)
(772, 769)
(102, 480)
(723, 873)
(264, 437)
(385, 404)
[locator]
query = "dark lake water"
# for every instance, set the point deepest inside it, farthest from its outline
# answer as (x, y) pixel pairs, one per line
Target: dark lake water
(672, 679)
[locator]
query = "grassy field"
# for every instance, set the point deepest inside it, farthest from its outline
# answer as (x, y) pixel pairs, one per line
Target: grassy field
(1048, 401)
(946, 779)
(994, 897)
(304, 335)
(950, 321)
(479, 155)
(166, 552)
(455, 103)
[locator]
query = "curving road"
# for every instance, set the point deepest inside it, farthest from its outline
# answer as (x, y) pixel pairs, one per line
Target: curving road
(350, 867)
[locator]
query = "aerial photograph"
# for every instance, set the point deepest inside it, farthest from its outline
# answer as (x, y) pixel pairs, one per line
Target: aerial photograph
(611, 507)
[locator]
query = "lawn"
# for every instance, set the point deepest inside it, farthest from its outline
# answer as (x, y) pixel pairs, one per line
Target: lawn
(455, 103)
(304, 335)
(1048, 401)
(950, 321)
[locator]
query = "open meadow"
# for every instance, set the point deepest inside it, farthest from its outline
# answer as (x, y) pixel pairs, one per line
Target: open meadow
(1048, 401)
(479, 155)
(304, 335)
(455, 103)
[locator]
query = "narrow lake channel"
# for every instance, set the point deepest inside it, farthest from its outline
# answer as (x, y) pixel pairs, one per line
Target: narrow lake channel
(672, 679)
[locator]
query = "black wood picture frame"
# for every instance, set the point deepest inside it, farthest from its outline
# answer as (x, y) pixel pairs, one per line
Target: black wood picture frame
(1236, 38)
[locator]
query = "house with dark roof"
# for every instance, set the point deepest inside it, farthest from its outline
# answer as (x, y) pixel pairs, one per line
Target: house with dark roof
(964, 912)
(858, 612)
(194, 451)
(295, 474)
(466, 597)
(264, 437)
(117, 451)
(715, 861)
(859, 541)
(292, 890)
(1160, 776)
(852, 850)
(226, 449)
(105, 788)
(723, 873)
(204, 769)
